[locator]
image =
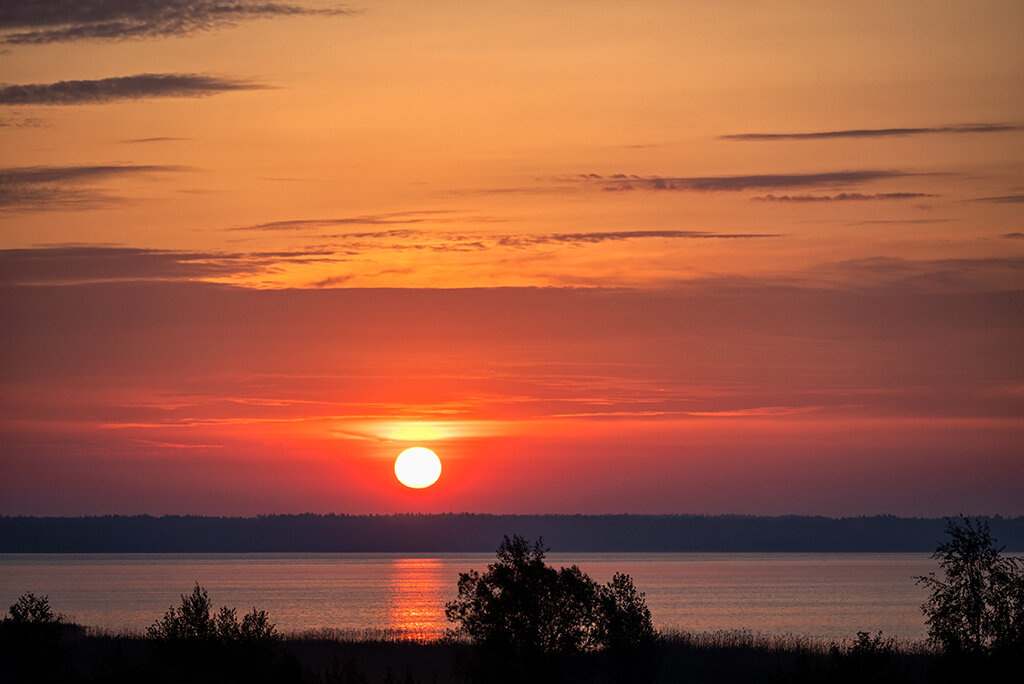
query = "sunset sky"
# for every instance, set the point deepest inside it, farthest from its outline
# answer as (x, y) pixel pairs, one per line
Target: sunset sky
(662, 256)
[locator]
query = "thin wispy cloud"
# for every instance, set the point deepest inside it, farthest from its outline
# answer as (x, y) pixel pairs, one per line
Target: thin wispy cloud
(844, 197)
(523, 241)
(625, 182)
(1001, 199)
(137, 87)
(911, 222)
(30, 188)
(24, 122)
(1014, 236)
(932, 275)
(385, 219)
(876, 132)
(51, 21)
(72, 264)
(409, 239)
(153, 140)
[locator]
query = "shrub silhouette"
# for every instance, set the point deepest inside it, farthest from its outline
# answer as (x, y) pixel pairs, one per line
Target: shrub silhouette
(193, 622)
(975, 613)
(191, 639)
(35, 642)
(524, 618)
(32, 610)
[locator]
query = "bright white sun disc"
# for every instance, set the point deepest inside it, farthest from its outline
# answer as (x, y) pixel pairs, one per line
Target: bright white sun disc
(417, 467)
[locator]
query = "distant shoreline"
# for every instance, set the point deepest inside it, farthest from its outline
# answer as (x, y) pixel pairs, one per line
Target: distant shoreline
(478, 533)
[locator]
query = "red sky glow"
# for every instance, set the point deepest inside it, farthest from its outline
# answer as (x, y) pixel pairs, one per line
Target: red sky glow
(652, 257)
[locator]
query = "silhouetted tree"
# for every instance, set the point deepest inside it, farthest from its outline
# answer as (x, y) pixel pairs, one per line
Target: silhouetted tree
(629, 634)
(976, 610)
(525, 618)
(30, 609)
(192, 639)
(193, 622)
(35, 642)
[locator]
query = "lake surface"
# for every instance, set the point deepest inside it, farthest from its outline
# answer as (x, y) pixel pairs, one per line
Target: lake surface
(831, 595)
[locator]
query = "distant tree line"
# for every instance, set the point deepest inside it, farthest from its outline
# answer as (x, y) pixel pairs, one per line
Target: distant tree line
(464, 532)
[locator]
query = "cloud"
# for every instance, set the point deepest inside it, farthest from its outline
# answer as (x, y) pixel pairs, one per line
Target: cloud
(153, 140)
(50, 21)
(73, 264)
(844, 197)
(28, 188)
(616, 236)
(404, 239)
(876, 132)
(1001, 199)
(887, 222)
(758, 411)
(24, 122)
(625, 182)
(934, 275)
(1014, 236)
(333, 281)
(137, 87)
(391, 218)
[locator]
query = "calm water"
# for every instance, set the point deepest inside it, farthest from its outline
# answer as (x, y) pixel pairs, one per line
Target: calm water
(821, 595)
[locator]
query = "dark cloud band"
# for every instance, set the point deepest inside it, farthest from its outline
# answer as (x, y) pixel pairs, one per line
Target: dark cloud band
(28, 188)
(875, 132)
(70, 264)
(844, 197)
(619, 235)
(137, 87)
(449, 241)
(50, 21)
(625, 182)
(1002, 199)
(392, 218)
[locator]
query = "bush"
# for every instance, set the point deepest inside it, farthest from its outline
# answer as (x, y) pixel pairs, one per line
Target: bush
(525, 618)
(36, 644)
(191, 642)
(32, 610)
(193, 622)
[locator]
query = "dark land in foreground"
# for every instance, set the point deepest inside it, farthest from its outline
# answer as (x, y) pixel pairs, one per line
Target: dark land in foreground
(723, 658)
(466, 532)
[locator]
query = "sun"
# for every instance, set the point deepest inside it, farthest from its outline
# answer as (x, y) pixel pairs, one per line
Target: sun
(417, 467)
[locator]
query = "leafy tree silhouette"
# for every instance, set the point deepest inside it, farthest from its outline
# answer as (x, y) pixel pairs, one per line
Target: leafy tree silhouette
(191, 639)
(975, 613)
(525, 619)
(193, 622)
(35, 642)
(30, 609)
(629, 635)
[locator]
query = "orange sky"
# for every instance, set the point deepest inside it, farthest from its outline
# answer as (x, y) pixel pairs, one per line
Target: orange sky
(728, 257)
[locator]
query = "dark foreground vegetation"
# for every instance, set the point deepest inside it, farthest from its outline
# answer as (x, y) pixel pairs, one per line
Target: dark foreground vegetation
(723, 658)
(523, 621)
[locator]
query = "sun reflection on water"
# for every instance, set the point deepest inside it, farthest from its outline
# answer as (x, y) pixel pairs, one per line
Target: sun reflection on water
(416, 599)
